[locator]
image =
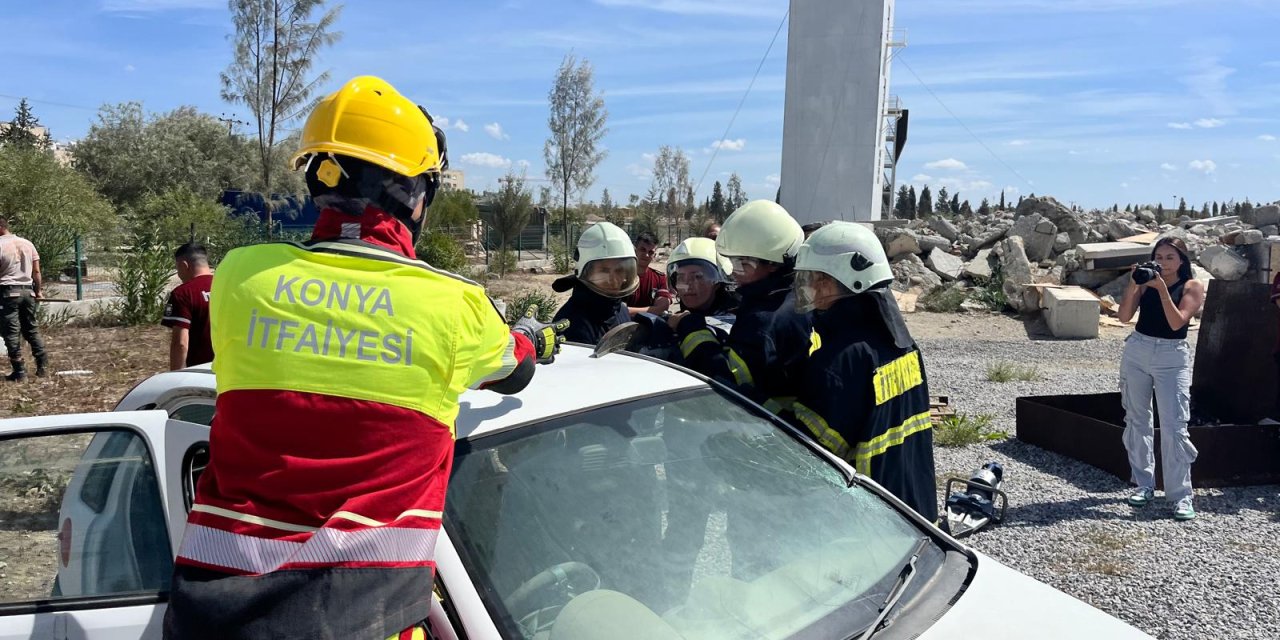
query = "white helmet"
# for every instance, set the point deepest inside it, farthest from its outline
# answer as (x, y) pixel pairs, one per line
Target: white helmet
(605, 241)
(848, 252)
(760, 229)
(699, 250)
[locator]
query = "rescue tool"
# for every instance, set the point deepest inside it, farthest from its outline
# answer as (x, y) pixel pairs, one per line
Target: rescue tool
(980, 503)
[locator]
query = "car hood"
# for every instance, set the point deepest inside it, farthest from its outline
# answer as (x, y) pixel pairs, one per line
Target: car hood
(1002, 604)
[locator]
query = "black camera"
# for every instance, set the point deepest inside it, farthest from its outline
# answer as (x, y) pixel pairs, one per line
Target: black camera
(1146, 272)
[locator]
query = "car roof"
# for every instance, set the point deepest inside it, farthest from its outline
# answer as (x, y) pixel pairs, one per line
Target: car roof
(574, 382)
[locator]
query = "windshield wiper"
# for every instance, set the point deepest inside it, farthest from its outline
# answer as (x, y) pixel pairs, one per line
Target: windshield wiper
(905, 575)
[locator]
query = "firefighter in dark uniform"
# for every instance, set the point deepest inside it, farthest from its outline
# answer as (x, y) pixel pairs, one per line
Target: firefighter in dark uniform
(864, 395)
(605, 276)
(763, 355)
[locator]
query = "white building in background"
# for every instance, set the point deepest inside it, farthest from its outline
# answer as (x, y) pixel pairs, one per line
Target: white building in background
(453, 179)
(840, 123)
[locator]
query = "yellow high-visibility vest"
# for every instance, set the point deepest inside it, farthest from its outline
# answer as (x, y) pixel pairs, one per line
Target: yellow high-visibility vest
(352, 320)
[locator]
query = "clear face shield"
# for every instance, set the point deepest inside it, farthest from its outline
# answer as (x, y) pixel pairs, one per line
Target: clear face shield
(612, 277)
(817, 290)
(745, 269)
(695, 283)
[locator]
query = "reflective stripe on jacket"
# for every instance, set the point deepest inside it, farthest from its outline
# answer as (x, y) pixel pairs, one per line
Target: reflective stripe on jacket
(867, 401)
(339, 366)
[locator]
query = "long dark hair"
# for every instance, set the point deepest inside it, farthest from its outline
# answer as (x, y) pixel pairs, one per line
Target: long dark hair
(1184, 270)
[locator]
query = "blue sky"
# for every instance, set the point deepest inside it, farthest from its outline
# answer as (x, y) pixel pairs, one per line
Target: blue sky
(1093, 101)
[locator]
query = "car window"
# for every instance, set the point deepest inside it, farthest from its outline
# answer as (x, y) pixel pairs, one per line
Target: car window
(80, 515)
(196, 412)
(686, 514)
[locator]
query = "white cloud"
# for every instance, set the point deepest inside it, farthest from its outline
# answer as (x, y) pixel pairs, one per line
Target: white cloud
(648, 157)
(729, 145)
(1179, 125)
(920, 177)
(958, 185)
(639, 172)
(949, 163)
(1209, 123)
(1266, 137)
(1168, 167)
(523, 164)
(744, 8)
(1019, 143)
(495, 131)
(1124, 185)
(773, 179)
(483, 159)
(1206, 167)
(1073, 152)
(1011, 190)
(130, 68)
(444, 123)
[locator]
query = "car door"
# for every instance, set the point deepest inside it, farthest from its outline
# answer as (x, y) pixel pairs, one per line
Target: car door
(91, 509)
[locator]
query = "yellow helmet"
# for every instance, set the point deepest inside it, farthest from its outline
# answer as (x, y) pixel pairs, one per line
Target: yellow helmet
(368, 119)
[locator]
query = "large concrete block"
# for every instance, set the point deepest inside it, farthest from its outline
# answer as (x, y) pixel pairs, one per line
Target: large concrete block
(1070, 312)
(980, 267)
(1038, 236)
(1223, 263)
(944, 228)
(898, 242)
(946, 265)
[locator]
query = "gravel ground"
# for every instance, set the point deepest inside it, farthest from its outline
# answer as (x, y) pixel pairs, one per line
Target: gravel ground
(1068, 524)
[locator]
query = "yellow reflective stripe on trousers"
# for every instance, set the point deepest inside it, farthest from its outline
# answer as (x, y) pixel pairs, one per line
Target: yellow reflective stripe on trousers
(825, 435)
(895, 378)
(741, 373)
(891, 438)
(695, 340)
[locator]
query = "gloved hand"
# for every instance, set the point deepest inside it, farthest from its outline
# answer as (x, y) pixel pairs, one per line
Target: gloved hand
(546, 338)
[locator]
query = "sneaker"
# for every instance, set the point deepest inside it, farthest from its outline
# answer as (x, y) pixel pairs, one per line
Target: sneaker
(1142, 496)
(1184, 510)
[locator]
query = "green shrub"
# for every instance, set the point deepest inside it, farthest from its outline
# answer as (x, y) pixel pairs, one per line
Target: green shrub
(47, 318)
(502, 262)
(144, 276)
(943, 299)
(561, 262)
(991, 292)
(522, 301)
(442, 251)
(962, 430)
(1009, 371)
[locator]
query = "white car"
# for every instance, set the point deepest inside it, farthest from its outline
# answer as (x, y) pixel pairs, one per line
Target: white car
(616, 497)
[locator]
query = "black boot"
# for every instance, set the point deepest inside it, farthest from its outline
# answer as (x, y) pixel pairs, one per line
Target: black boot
(41, 366)
(19, 371)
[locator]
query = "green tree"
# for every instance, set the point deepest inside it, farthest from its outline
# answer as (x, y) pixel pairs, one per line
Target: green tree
(577, 124)
(1215, 209)
(1002, 199)
(452, 208)
(943, 205)
(904, 207)
(955, 204)
(736, 197)
(50, 204)
(924, 206)
(1182, 207)
(1160, 212)
(984, 208)
(717, 206)
(275, 49)
(509, 212)
(24, 131)
(129, 156)
(965, 209)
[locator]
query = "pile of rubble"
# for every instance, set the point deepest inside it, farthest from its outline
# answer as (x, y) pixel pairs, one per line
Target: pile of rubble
(1045, 244)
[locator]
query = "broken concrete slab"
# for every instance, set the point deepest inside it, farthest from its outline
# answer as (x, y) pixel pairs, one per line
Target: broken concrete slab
(1223, 263)
(1262, 215)
(1112, 255)
(980, 267)
(930, 244)
(1070, 312)
(1062, 242)
(909, 271)
(946, 265)
(1016, 270)
(1118, 228)
(944, 228)
(1037, 235)
(898, 242)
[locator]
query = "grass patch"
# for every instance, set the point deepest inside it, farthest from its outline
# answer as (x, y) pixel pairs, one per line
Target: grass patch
(1008, 372)
(962, 430)
(943, 299)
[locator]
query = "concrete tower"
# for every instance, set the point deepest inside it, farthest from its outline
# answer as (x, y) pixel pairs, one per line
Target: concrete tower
(840, 122)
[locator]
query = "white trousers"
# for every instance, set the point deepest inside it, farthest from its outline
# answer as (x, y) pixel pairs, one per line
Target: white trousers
(1160, 367)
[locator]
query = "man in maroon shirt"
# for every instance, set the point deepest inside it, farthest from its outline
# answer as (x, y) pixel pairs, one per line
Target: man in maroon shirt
(187, 310)
(652, 295)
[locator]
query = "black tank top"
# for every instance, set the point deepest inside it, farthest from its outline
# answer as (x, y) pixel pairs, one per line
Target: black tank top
(1151, 320)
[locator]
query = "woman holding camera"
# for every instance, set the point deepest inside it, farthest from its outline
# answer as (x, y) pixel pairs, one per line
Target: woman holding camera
(1157, 361)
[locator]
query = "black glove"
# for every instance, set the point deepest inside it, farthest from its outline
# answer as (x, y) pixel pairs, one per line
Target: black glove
(546, 338)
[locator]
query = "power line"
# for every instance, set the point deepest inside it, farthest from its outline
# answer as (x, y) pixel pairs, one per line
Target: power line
(962, 124)
(48, 102)
(716, 150)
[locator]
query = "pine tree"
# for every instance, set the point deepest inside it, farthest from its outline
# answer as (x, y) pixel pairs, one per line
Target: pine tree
(1182, 207)
(911, 200)
(903, 207)
(955, 204)
(1128, 208)
(717, 205)
(1160, 212)
(984, 208)
(1215, 209)
(1002, 199)
(943, 206)
(1019, 201)
(1246, 207)
(924, 206)
(23, 131)
(965, 210)
(1204, 211)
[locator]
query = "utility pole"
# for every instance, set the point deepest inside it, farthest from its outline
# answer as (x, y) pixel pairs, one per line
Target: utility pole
(231, 122)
